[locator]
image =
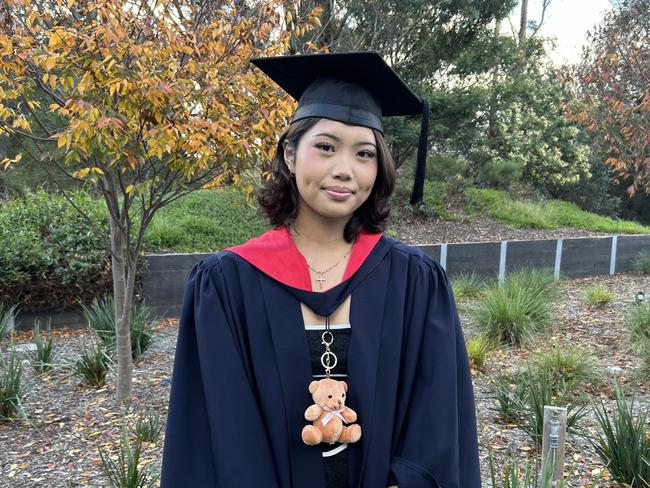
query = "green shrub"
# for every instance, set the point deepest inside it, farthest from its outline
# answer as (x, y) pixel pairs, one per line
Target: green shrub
(637, 322)
(501, 172)
(101, 317)
(50, 253)
(93, 364)
(623, 443)
(443, 167)
(467, 286)
(44, 357)
(434, 200)
(569, 369)
(598, 294)
(516, 311)
(642, 262)
(478, 348)
(148, 426)
(122, 469)
(10, 390)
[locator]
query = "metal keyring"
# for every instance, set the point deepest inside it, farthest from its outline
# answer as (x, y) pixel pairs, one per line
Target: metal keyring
(327, 366)
(325, 341)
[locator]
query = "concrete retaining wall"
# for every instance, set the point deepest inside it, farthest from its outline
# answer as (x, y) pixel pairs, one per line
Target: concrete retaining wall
(164, 279)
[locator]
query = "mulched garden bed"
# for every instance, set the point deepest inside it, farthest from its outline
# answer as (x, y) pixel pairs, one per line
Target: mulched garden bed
(56, 444)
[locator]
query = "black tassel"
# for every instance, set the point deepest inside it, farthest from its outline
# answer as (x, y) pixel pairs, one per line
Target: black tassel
(418, 183)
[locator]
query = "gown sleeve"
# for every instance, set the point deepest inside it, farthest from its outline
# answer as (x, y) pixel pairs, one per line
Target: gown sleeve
(215, 436)
(438, 444)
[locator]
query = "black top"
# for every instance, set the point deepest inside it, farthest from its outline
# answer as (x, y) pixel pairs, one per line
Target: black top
(335, 456)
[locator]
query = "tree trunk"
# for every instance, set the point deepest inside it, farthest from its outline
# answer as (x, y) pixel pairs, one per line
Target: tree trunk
(4, 197)
(523, 22)
(492, 110)
(123, 284)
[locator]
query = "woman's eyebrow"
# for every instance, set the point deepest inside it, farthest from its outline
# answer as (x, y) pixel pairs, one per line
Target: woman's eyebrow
(338, 139)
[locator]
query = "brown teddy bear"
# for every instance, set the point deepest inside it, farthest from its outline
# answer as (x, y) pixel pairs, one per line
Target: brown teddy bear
(328, 414)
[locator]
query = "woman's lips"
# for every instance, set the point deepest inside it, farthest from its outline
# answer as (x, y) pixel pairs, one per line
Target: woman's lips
(338, 193)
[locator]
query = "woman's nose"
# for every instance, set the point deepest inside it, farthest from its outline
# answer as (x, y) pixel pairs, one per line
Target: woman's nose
(342, 166)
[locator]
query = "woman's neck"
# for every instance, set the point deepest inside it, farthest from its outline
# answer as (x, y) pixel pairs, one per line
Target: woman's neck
(319, 231)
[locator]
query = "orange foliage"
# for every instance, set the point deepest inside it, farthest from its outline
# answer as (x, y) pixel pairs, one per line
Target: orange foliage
(135, 88)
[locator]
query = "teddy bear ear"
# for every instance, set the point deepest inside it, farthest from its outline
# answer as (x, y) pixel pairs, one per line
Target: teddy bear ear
(313, 386)
(345, 386)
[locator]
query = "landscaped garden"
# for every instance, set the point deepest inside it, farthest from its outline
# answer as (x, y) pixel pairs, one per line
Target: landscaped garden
(533, 341)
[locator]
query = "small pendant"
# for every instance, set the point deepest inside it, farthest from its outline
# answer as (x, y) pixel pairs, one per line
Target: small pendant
(320, 280)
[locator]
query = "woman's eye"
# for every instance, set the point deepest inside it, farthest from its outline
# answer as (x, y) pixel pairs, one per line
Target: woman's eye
(324, 146)
(367, 154)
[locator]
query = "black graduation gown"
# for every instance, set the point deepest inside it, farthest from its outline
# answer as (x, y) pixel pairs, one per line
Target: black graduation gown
(242, 369)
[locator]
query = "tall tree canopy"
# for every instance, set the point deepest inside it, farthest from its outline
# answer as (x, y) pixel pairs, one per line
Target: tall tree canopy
(146, 101)
(613, 83)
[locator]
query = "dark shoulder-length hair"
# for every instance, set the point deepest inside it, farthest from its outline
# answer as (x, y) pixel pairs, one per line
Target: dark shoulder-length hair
(278, 198)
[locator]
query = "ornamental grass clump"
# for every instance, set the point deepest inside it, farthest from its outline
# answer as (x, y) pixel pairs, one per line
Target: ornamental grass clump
(101, 317)
(637, 322)
(148, 426)
(93, 364)
(122, 468)
(569, 368)
(6, 318)
(43, 358)
(522, 396)
(10, 386)
(511, 475)
(515, 312)
(478, 348)
(467, 286)
(599, 295)
(623, 442)
(642, 262)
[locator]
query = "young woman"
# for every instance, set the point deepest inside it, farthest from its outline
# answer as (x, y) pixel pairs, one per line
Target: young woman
(254, 316)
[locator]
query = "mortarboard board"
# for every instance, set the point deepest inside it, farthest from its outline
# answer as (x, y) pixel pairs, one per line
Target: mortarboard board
(356, 88)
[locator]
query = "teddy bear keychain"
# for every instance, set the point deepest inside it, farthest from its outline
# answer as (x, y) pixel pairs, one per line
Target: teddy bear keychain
(328, 414)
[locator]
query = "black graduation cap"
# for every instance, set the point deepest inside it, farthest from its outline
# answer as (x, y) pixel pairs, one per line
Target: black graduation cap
(356, 88)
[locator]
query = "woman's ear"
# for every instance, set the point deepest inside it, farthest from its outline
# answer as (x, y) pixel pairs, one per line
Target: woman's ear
(289, 155)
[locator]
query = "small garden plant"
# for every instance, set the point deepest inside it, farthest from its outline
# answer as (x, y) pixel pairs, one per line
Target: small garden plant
(523, 395)
(93, 364)
(598, 294)
(101, 317)
(642, 262)
(148, 426)
(637, 322)
(122, 469)
(43, 358)
(478, 348)
(623, 442)
(10, 386)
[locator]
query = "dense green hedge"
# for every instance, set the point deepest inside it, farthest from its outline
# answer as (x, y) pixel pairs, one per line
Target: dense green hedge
(49, 254)
(53, 257)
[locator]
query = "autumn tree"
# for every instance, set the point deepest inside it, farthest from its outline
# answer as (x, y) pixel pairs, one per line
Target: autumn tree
(146, 100)
(612, 82)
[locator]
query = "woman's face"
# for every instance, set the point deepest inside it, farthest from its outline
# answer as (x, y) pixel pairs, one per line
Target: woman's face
(335, 166)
